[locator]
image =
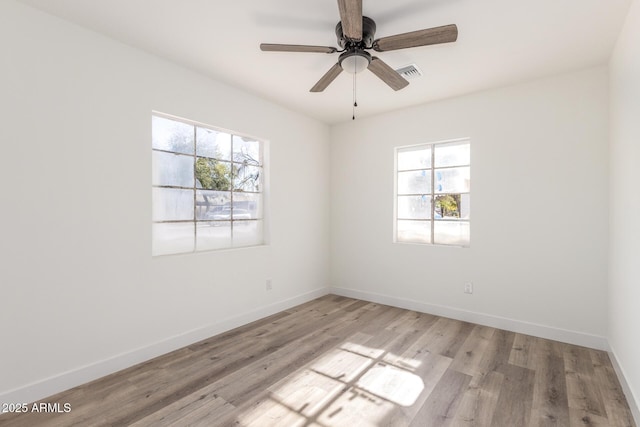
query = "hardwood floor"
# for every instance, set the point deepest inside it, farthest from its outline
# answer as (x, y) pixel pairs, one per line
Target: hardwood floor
(337, 361)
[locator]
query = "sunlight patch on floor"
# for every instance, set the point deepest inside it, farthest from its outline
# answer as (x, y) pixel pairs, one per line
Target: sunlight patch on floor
(354, 384)
(396, 385)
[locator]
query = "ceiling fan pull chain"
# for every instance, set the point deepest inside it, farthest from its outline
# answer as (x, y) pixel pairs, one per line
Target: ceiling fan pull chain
(355, 103)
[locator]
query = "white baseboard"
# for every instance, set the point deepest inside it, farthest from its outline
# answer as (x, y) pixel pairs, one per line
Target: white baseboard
(542, 331)
(634, 404)
(49, 386)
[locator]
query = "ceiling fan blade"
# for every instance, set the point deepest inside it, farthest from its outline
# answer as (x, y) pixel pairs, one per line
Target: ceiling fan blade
(387, 74)
(271, 47)
(327, 78)
(351, 18)
(436, 35)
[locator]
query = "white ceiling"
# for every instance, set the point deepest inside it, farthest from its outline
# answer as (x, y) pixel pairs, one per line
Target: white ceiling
(500, 42)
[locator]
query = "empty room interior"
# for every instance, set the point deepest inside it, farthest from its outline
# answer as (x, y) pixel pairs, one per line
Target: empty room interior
(328, 213)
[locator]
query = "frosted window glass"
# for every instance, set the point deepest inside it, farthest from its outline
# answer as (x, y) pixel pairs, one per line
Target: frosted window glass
(414, 158)
(416, 182)
(247, 233)
(172, 238)
(211, 143)
(246, 150)
(249, 203)
(172, 169)
(414, 231)
(465, 206)
(171, 204)
(455, 180)
(454, 154)
(247, 178)
(213, 235)
(414, 207)
(170, 135)
(451, 233)
(210, 203)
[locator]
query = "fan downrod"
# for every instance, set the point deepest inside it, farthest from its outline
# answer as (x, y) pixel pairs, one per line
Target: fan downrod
(368, 32)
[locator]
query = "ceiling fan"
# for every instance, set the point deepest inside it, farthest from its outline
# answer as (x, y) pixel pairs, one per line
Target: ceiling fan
(355, 34)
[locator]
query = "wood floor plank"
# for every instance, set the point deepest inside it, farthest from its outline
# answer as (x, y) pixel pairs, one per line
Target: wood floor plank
(190, 410)
(578, 360)
(385, 316)
(497, 352)
(429, 368)
(523, 351)
(405, 321)
(480, 400)
(614, 400)
(337, 361)
(550, 402)
(446, 336)
(516, 395)
(548, 347)
(583, 389)
(468, 358)
(413, 333)
(440, 408)
(582, 418)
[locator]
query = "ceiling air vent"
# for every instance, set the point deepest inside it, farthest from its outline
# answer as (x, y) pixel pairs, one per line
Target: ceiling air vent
(409, 72)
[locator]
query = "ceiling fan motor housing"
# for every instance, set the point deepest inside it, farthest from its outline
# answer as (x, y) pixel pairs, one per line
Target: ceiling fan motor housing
(368, 32)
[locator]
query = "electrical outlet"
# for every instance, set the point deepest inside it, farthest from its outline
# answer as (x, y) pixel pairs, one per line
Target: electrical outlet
(468, 287)
(269, 284)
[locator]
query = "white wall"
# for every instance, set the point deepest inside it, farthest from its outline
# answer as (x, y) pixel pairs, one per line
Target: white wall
(539, 173)
(80, 293)
(624, 258)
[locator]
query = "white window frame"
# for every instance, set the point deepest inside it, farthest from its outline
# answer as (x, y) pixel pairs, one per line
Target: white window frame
(433, 194)
(195, 188)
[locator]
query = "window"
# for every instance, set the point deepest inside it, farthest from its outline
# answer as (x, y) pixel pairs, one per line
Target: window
(433, 183)
(207, 188)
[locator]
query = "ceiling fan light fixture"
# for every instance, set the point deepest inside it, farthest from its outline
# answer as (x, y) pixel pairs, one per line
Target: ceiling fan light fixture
(355, 61)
